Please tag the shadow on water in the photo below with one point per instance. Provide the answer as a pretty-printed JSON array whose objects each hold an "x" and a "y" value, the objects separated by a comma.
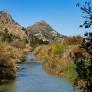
[
  {"x": 32, "y": 78},
  {"x": 8, "y": 87}
]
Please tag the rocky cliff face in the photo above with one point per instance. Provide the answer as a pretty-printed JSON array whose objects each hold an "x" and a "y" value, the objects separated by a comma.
[
  {"x": 8, "y": 24},
  {"x": 43, "y": 31}
]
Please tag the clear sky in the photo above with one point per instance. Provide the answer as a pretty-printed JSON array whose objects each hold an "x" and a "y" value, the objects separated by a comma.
[{"x": 62, "y": 15}]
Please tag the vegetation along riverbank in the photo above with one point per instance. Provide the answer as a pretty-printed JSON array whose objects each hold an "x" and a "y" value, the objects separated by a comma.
[
  {"x": 69, "y": 57},
  {"x": 57, "y": 57}
]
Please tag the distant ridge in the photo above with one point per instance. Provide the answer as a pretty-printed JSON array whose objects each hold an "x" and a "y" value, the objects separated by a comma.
[{"x": 42, "y": 30}]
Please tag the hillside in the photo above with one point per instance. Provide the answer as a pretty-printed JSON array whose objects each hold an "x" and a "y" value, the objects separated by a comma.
[
  {"x": 7, "y": 23},
  {"x": 38, "y": 33},
  {"x": 43, "y": 31}
]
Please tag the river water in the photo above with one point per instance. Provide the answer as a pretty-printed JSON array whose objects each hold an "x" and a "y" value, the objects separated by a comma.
[{"x": 33, "y": 78}]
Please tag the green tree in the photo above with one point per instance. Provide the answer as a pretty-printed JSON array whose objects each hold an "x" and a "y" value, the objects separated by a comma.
[{"x": 84, "y": 62}]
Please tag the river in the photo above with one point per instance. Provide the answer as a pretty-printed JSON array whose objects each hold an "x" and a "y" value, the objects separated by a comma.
[{"x": 33, "y": 78}]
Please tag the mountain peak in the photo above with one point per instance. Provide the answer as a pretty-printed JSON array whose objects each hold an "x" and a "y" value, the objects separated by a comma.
[
  {"x": 40, "y": 26},
  {"x": 5, "y": 16},
  {"x": 43, "y": 31},
  {"x": 43, "y": 22},
  {"x": 7, "y": 22}
]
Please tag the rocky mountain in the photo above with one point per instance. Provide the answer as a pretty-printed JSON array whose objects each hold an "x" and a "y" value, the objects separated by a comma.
[
  {"x": 40, "y": 32},
  {"x": 43, "y": 31},
  {"x": 8, "y": 24}
]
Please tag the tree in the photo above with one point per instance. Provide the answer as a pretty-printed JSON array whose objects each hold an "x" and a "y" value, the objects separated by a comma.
[
  {"x": 87, "y": 10},
  {"x": 83, "y": 59}
]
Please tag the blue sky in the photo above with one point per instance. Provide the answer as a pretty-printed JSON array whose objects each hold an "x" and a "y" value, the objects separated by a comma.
[{"x": 62, "y": 15}]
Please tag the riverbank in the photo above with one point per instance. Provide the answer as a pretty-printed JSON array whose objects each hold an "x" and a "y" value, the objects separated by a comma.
[
  {"x": 58, "y": 64},
  {"x": 9, "y": 56},
  {"x": 33, "y": 78},
  {"x": 57, "y": 57}
]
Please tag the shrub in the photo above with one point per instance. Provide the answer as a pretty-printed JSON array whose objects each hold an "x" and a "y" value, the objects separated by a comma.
[
  {"x": 7, "y": 68},
  {"x": 5, "y": 37},
  {"x": 19, "y": 43},
  {"x": 55, "y": 62},
  {"x": 58, "y": 48},
  {"x": 75, "y": 40}
]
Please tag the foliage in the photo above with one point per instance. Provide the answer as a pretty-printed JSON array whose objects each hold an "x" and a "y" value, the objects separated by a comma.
[
  {"x": 13, "y": 40},
  {"x": 84, "y": 63},
  {"x": 7, "y": 68},
  {"x": 9, "y": 56},
  {"x": 18, "y": 43},
  {"x": 69, "y": 71},
  {"x": 55, "y": 62},
  {"x": 59, "y": 48},
  {"x": 84, "y": 67},
  {"x": 74, "y": 40},
  {"x": 35, "y": 41},
  {"x": 87, "y": 10},
  {"x": 5, "y": 37}
]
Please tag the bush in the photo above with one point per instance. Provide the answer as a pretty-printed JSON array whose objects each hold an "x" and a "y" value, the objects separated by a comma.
[
  {"x": 7, "y": 68},
  {"x": 5, "y": 37},
  {"x": 55, "y": 62},
  {"x": 83, "y": 62},
  {"x": 58, "y": 48},
  {"x": 19, "y": 43},
  {"x": 75, "y": 40}
]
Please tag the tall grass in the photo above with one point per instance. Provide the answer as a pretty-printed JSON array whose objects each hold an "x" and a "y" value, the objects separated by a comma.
[
  {"x": 54, "y": 61},
  {"x": 59, "y": 48},
  {"x": 69, "y": 71},
  {"x": 57, "y": 57},
  {"x": 9, "y": 56},
  {"x": 7, "y": 68}
]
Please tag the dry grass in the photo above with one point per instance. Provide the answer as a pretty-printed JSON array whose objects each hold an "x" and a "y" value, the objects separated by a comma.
[
  {"x": 60, "y": 63},
  {"x": 7, "y": 68},
  {"x": 75, "y": 40},
  {"x": 9, "y": 56},
  {"x": 11, "y": 52},
  {"x": 58, "y": 57}
]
